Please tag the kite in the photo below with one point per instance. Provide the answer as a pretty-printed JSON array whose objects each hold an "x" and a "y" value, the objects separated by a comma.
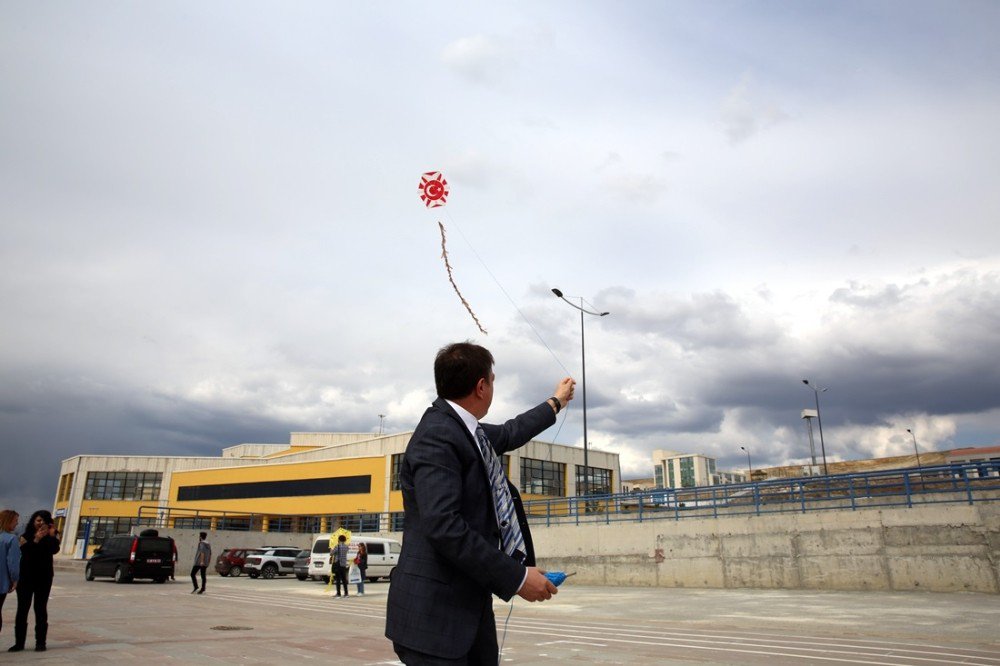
[
  {"x": 433, "y": 189},
  {"x": 434, "y": 193}
]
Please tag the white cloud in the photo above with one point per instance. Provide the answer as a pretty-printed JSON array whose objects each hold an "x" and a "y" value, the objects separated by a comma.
[
  {"x": 745, "y": 112},
  {"x": 480, "y": 58}
]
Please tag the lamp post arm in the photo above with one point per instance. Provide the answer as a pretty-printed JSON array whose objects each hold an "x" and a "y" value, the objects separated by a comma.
[{"x": 579, "y": 307}]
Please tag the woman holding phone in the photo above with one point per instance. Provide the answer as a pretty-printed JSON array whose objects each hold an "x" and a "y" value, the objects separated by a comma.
[{"x": 39, "y": 543}]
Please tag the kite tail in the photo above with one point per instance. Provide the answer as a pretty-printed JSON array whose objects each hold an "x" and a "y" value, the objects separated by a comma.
[{"x": 444, "y": 255}]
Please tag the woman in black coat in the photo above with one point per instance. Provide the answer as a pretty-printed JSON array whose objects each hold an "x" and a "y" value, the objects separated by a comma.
[
  {"x": 361, "y": 562},
  {"x": 39, "y": 543}
]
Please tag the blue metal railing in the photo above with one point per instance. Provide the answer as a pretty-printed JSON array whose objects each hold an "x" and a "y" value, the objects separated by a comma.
[
  {"x": 204, "y": 519},
  {"x": 965, "y": 483}
]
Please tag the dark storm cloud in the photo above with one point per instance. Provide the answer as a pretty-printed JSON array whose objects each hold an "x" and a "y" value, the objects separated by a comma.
[
  {"x": 684, "y": 366},
  {"x": 860, "y": 295},
  {"x": 633, "y": 419},
  {"x": 40, "y": 427},
  {"x": 712, "y": 319}
]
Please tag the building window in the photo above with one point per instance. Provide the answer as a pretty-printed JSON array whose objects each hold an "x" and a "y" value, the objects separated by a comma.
[
  {"x": 687, "y": 472},
  {"x": 102, "y": 529},
  {"x": 396, "y": 519},
  {"x": 670, "y": 468},
  {"x": 599, "y": 482},
  {"x": 123, "y": 486},
  {"x": 280, "y": 524},
  {"x": 397, "y": 464},
  {"x": 658, "y": 471},
  {"x": 241, "y": 524},
  {"x": 193, "y": 523},
  {"x": 309, "y": 524},
  {"x": 340, "y": 485},
  {"x": 65, "y": 487},
  {"x": 541, "y": 477},
  {"x": 355, "y": 522}
]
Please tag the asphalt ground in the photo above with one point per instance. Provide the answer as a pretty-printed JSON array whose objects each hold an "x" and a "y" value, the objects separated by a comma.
[{"x": 284, "y": 620}]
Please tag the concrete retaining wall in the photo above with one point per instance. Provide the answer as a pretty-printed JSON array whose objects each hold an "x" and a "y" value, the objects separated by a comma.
[
  {"x": 946, "y": 548},
  {"x": 950, "y": 548}
]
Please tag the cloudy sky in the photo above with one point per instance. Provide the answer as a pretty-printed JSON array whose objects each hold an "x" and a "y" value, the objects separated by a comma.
[{"x": 211, "y": 230}]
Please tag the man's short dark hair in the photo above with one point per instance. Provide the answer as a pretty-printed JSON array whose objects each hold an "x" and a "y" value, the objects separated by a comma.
[
  {"x": 342, "y": 538},
  {"x": 458, "y": 367},
  {"x": 203, "y": 535}
]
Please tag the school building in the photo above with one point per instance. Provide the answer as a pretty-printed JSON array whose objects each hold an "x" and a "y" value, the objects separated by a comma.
[{"x": 316, "y": 483}]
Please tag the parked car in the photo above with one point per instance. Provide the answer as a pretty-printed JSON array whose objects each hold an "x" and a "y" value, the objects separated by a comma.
[
  {"x": 230, "y": 561},
  {"x": 383, "y": 554},
  {"x": 126, "y": 557},
  {"x": 301, "y": 565},
  {"x": 271, "y": 561}
]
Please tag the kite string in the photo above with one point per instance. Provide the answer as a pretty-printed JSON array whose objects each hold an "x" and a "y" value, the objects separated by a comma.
[
  {"x": 447, "y": 264},
  {"x": 487, "y": 268},
  {"x": 444, "y": 255}
]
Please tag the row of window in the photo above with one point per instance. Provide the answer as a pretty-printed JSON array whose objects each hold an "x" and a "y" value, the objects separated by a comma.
[
  {"x": 102, "y": 528},
  {"x": 541, "y": 477},
  {"x": 123, "y": 486}
]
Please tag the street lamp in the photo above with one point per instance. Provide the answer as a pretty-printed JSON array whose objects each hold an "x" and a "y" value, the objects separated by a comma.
[
  {"x": 819, "y": 419},
  {"x": 749, "y": 466},
  {"x": 915, "y": 449},
  {"x": 583, "y": 358}
]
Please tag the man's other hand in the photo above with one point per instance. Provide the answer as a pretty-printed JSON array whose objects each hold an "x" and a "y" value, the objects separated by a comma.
[{"x": 536, "y": 586}]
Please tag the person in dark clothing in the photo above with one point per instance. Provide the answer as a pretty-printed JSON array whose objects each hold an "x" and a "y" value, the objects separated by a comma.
[
  {"x": 466, "y": 537},
  {"x": 202, "y": 558},
  {"x": 361, "y": 562},
  {"x": 338, "y": 560},
  {"x": 39, "y": 543}
]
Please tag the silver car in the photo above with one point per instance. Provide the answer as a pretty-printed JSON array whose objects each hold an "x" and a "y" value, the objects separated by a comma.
[{"x": 301, "y": 566}]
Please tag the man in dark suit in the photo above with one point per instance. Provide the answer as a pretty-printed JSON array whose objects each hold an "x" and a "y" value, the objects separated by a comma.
[{"x": 465, "y": 535}]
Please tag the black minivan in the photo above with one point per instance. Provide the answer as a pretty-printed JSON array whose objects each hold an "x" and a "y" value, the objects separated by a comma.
[{"x": 125, "y": 557}]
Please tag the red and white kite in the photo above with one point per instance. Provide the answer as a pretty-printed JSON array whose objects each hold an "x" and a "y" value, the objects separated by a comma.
[
  {"x": 434, "y": 192},
  {"x": 433, "y": 189}
]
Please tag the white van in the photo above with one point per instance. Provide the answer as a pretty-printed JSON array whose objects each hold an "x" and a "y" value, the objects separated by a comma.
[{"x": 383, "y": 554}]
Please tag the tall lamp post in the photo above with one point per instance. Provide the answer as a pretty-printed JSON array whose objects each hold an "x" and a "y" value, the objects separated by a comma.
[
  {"x": 749, "y": 466},
  {"x": 819, "y": 419},
  {"x": 583, "y": 359},
  {"x": 915, "y": 449}
]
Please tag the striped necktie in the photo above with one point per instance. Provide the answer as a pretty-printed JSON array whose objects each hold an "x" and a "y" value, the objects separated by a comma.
[{"x": 510, "y": 530}]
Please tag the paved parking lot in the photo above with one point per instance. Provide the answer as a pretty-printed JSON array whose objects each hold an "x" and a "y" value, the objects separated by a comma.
[{"x": 285, "y": 621}]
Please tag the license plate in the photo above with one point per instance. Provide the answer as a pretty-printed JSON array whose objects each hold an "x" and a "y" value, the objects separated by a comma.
[{"x": 152, "y": 561}]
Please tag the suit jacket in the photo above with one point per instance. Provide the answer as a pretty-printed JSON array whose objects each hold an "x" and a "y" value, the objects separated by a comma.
[{"x": 451, "y": 562}]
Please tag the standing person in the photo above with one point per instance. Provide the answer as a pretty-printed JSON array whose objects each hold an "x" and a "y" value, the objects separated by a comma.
[
  {"x": 465, "y": 537},
  {"x": 10, "y": 556},
  {"x": 361, "y": 562},
  {"x": 202, "y": 558},
  {"x": 338, "y": 559},
  {"x": 39, "y": 543}
]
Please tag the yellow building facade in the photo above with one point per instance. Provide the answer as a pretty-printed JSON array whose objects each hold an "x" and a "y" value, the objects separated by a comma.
[{"x": 314, "y": 484}]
